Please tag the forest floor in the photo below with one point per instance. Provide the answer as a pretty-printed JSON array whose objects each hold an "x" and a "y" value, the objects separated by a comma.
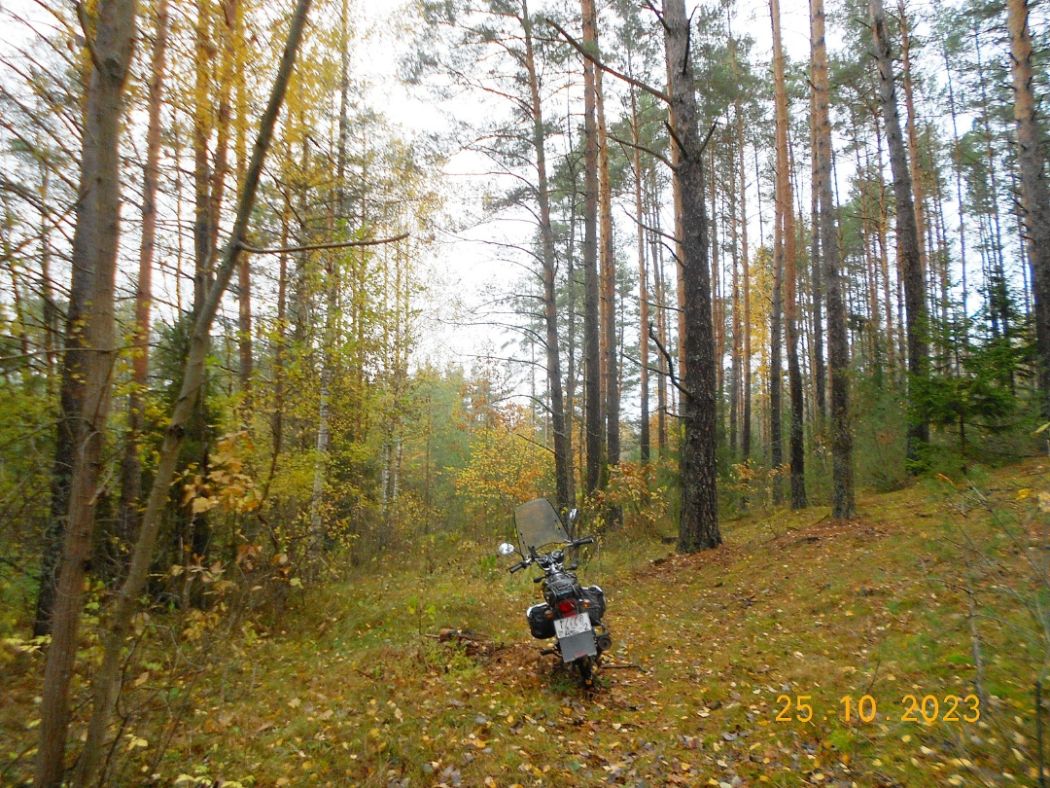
[{"x": 795, "y": 612}]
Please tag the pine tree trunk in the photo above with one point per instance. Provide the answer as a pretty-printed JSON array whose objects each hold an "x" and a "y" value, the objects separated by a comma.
[
  {"x": 998, "y": 296},
  {"x": 745, "y": 427},
  {"x": 698, "y": 524},
  {"x": 843, "y": 506},
  {"x": 570, "y": 361},
  {"x": 776, "y": 444},
  {"x": 202, "y": 130},
  {"x": 788, "y": 246},
  {"x": 610, "y": 360},
  {"x": 88, "y": 366},
  {"x": 960, "y": 204},
  {"x": 131, "y": 466},
  {"x": 717, "y": 306},
  {"x": 591, "y": 350},
  {"x": 817, "y": 283},
  {"x": 562, "y": 437},
  {"x": 737, "y": 326},
  {"x": 917, "y": 322},
  {"x": 1035, "y": 199},
  {"x": 911, "y": 125},
  {"x": 643, "y": 289}
]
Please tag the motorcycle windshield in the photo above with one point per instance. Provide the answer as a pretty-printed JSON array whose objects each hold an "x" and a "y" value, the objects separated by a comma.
[{"x": 538, "y": 525}]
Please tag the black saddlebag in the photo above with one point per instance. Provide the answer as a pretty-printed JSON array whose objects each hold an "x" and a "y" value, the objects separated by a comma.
[
  {"x": 540, "y": 624},
  {"x": 596, "y": 596}
]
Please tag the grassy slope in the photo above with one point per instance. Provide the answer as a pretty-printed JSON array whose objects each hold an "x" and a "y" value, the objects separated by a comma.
[{"x": 352, "y": 689}]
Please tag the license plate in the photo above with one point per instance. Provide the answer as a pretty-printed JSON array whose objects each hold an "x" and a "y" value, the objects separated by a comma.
[{"x": 573, "y": 625}]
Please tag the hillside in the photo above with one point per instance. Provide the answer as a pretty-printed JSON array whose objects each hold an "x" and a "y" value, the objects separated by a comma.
[{"x": 357, "y": 690}]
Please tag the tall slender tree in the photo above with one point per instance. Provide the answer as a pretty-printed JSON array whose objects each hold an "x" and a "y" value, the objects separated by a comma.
[
  {"x": 643, "y": 285},
  {"x": 1035, "y": 199},
  {"x": 562, "y": 435},
  {"x": 591, "y": 345},
  {"x": 843, "y": 506},
  {"x": 787, "y": 252},
  {"x": 131, "y": 467},
  {"x": 87, "y": 373},
  {"x": 698, "y": 523},
  {"x": 607, "y": 277},
  {"x": 909, "y": 259}
]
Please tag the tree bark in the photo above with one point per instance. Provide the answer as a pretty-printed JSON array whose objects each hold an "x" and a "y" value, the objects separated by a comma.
[
  {"x": 788, "y": 246},
  {"x": 776, "y": 440},
  {"x": 591, "y": 352},
  {"x": 917, "y": 322},
  {"x": 107, "y": 681},
  {"x": 131, "y": 466},
  {"x": 562, "y": 436},
  {"x": 90, "y": 354},
  {"x": 698, "y": 523},
  {"x": 817, "y": 280},
  {"x": 202, "y": 129},
  {"x": 607, "y": 262},
  {"x": 960, "y": 205},
  {"x": 843, "y": 506},
  {"x": 735, "y": 349},
  {"x": 911, "y": 126},
  {"x": 643, "y": 288},
  {"x": 745, "y": 426},
  {"x": 244, "y": 270},
  {"x": 1035, "y": 199}
]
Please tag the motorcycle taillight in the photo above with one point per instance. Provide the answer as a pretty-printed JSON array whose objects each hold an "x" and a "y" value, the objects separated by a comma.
[{"x": 567, "y": 607}]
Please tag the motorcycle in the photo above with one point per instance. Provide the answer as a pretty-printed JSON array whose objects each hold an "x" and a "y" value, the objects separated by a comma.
[{"x": 571, "y": 614}]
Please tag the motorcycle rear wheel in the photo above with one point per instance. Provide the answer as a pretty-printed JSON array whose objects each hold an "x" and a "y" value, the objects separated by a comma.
[{"x": 585, "y": 667}]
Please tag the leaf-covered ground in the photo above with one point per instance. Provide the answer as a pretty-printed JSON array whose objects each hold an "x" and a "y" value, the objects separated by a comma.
[{"x": 350, "y": 687}]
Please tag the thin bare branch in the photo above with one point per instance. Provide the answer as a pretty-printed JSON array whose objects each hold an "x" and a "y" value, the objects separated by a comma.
[
  {"x": 643, "y": 149},
  {"x": 317, "y": 247},
  {"x": 609, "y": 69},
  {"x": 670, "y": 362}
]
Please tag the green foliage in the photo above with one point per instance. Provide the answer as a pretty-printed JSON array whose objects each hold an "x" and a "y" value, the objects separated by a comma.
[{"x": 982, "y": 394}]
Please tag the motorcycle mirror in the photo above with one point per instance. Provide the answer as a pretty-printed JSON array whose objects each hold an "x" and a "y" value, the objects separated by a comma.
[
  {"x": 506, "y": 548},
  {"x": 574, "y": 515}
]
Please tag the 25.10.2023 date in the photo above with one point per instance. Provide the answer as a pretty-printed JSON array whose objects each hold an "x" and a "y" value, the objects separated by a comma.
[{"x": 922, "y": 709}]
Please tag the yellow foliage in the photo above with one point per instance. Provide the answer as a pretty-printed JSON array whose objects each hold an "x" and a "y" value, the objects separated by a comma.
[
  {"x": 635, "y": 488},
  {"x": 507, "y": 466},
  {"x": 226, "y": 485}
]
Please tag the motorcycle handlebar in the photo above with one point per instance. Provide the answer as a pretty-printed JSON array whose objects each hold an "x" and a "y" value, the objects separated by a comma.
[
  {"x": 518, "y": 567},
  {"x": 585, "y": 540}
]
